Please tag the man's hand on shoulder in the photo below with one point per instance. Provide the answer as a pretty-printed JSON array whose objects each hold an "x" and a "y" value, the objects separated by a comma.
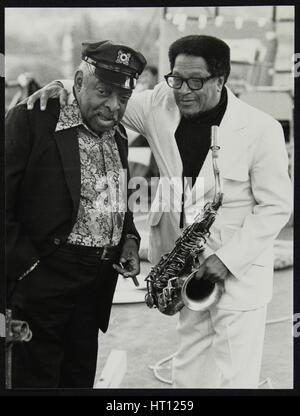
[{"x": 53, "y": 90}]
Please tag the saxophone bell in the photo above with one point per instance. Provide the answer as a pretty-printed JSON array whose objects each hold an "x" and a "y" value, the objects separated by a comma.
[{"x": 200, "y": 294}]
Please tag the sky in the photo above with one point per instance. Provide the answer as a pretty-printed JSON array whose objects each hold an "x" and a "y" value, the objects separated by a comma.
[{"x": 35, "y": 20}]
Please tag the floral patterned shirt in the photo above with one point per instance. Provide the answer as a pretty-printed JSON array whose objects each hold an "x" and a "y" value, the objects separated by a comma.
[{"x": 102, "y": 207}]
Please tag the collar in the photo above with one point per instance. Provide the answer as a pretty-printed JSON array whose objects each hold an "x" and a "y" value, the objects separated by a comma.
[
  {"x": 235, "y": 116},
  {"x": 215, "y": 114},
  {"x": 209, "y": 117},
  {"x": 70, "y": 116}
]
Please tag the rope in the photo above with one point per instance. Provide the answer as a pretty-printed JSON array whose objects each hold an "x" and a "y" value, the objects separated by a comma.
[
  {"x": 268, "y": 382},
  {"x": 156, "y": 367}
]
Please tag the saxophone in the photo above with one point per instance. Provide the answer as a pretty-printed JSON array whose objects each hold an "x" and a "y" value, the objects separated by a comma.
[{"x": 171, "y": 283}]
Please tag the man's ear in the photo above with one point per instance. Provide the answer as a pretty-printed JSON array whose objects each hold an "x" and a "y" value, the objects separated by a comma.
[
  {"x": 221, "y": 82},
  {"x": 78, "y": 80}
]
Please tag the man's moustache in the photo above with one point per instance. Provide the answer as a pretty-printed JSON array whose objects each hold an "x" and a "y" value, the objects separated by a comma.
[{"x": 109, "y": 116}]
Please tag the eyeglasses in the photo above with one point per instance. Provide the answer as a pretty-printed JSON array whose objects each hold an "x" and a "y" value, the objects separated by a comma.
[{"x": 193, "y": 83}]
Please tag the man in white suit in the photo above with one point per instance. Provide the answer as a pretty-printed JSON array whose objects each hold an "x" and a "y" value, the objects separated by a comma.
[{"x": 221, "y": 347}]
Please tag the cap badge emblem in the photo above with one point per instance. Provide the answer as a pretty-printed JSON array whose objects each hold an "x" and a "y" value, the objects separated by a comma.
[{"x": 123, "y": 58}]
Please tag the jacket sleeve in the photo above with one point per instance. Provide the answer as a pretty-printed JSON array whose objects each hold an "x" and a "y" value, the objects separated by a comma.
[
  {"x": 135, "y": 117},
  {"x": 21, "y": 255},
  {"x": 129, "y": 227},
  {"x": 272, "y": 190}
]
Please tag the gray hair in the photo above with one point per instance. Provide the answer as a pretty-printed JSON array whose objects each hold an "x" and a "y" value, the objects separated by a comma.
[{"x": 87, "y": 69}]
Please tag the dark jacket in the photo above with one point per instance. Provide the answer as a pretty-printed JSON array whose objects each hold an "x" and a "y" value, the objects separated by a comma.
[{"x": 43, "y": 186}]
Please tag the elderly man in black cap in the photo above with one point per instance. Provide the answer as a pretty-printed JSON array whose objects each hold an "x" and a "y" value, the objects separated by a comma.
[{"x": 68, "y": 225}]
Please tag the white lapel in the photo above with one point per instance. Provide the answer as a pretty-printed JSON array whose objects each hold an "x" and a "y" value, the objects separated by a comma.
[
  {"x": 165, "y": 147},
  {"x": 231, "y": 148}
]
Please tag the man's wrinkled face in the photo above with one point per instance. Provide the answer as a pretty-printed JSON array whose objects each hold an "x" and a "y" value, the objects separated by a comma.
[
  {"x": 192, "y": 103},
  {"x": 102, "y": 104}
]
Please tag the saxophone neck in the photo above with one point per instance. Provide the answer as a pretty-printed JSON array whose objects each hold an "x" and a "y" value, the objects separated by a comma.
[
  {"x": 215, "y": 147},
  {"x": 217, "y": 202}
]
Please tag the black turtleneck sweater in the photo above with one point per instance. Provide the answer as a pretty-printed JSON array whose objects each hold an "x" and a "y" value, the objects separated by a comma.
[{"x": 193, "y": 137}]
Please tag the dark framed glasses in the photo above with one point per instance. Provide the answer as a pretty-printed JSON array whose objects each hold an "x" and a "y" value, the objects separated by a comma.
[{"x": 193, "y": 83}]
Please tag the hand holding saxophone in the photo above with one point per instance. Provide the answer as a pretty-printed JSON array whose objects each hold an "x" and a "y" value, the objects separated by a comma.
[{"x": 212, "y": 269}]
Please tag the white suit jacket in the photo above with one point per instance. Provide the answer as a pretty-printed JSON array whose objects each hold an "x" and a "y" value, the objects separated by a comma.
[{"x": 257, "y": 190}]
